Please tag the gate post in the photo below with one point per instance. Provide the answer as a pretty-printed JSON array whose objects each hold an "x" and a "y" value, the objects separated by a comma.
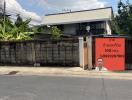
[
  {"x": 81, "y": 52},
  {"x": 34, "y": 55},
  {"x": 89, "y": 42}
]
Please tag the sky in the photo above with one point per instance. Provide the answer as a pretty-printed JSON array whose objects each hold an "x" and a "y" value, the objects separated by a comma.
[{"x": 36, "y": 9}]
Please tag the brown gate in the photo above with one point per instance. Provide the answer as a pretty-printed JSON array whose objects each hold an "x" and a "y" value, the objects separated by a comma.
[{"x": 85, "y": 54}]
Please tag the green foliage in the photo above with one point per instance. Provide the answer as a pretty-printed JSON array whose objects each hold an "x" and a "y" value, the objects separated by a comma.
[
  {"x": 56, "y": 32},
  {"x": 17, "y": 31},
  {"x": 41, "y": 28},
  {"x": 23, "y": 24},
  {"x": 1, "y": 19},
  {"x": 4, "y": 35},
  {"x": 122, "y": 22},
  {"x": 18, "y": 21},
  {"x": 19, "y": 34}
]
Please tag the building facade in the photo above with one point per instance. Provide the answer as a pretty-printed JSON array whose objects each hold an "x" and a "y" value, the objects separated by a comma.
[{"x": 75, "y": 23}]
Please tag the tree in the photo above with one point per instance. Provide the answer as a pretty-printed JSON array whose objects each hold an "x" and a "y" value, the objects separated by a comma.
[
  {"x": 21, "y": 29},
  {"x": 56, "y": 32},
  {"x": 122, "y": 22},
  {"x": 15, "y": 31},
  {"x": 19, "y": 22},
  {"x": 5, "y": 34}
]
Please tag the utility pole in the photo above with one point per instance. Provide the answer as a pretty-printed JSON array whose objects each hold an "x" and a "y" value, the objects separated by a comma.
[
  {"x": 4, "y": 15},
  {"x": 127, "y": 2}
]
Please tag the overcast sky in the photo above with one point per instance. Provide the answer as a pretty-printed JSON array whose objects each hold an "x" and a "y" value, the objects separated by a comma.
[{"x": 35, "y": 9}]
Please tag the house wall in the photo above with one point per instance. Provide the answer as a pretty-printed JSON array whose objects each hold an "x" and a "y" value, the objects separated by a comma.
[
  {"x": 70, "y": 29},
  {"x": 99, "y": 27}
]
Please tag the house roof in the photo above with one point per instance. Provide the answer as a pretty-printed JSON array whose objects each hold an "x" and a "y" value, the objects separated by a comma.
[{"x": 99, "y": 14}]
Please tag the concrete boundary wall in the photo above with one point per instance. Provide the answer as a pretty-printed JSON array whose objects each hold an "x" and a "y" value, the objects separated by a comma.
[{"x": 40, "y": 53}]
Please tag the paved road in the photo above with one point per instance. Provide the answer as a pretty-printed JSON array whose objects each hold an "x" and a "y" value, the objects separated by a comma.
[{"x": 63, "y": 88}]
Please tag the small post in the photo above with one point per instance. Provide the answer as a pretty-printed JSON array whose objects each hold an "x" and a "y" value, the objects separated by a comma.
[
  {"x": 34, "y": 55},
  {"x": 81, "y": 52},
  {"x": 108, "y": 28},
  {"x": 89, "y": 42}
]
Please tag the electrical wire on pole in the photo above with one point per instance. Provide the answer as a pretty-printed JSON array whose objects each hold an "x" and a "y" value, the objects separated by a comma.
[
  {"x": 4, "y": 15},
  {"x": 128, "y": 2}
]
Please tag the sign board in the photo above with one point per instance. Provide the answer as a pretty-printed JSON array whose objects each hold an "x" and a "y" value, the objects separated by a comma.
[{"x": 112, "y": 52}]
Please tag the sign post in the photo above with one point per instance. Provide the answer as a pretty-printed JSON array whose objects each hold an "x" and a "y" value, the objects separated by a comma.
[{"x": 112, "y": 51}]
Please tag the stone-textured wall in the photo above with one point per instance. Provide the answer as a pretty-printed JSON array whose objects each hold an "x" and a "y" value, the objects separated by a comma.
[{"x": 55, "y": 53}]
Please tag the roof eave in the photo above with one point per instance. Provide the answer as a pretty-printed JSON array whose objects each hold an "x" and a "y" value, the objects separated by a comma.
[{"x": 75, "y": 22}]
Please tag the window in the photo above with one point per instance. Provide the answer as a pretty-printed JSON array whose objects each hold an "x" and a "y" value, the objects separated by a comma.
[
  {"x": 61, "y": 27},
  {"x": 97, "y": 27}
]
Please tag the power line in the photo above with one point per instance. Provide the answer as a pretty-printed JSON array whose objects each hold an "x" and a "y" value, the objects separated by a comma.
[
  {"x": 15, "y": 14},
  {"x": 3, "y": 9},
  {"x": 4, "y": 14}
]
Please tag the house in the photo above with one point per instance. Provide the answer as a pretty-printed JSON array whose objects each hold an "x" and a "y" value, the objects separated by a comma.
[{"x": 75, "y": 23}]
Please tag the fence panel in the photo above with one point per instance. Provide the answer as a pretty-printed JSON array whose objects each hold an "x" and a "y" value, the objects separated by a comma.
[{"x": 45, "y": 52}]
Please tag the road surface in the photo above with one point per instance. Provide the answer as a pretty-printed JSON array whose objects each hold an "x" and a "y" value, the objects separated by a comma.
[{"x": 63, "y": 88}]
